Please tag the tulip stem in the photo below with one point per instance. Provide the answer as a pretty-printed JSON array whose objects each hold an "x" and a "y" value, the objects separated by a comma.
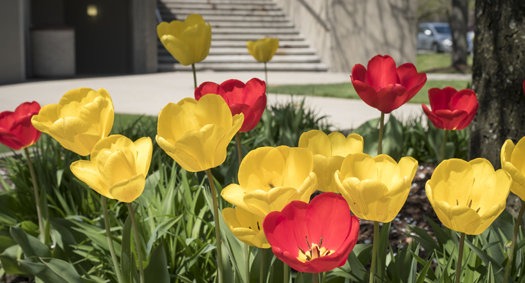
[
  {"x": 315, "y": 277},
  {"x": 194, "y": 76},
  {"x": 460, "y": 257},
  {"x": 247, "y": 261},
  {"x": 217, "y": 225},
  {"x": 374, "y": 250},
  {"x": 444, "y": 148},
  {"x": 37, "y": 197},
  {"x": 381, "y": 130},
  {"x": 266, "y": 76},
  {"x": 137, "y": 241},
  {"x": 514, "y": 239},
  {"x": 239, "y": 148},
  {"x": 110, "y": 240},
  {"x": 323, "y": 279},
  {"x": 286, "y": 273},
  {"x": 261, "y": 272}
]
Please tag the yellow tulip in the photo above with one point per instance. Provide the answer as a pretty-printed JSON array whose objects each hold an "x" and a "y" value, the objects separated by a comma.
[
  {"x": 468, "y": 196},
  {"x": 270, "y": 178},
  {"x": 246, "y": 226},
  {"x": 263, "y": 49},
  {"x": 118, "y": 167},
  {"x": 81, "y": 118},
  {"x": 329, "y": 152},
  {"x": 375, "y": 188},
  {"x": 189, "y": 41},
  {"x": 513, "y": 161},
  {"x": 195, "y": 133}
]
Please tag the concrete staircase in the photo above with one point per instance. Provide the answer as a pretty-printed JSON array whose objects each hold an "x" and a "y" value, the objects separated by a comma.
[{"x": 233, "y": 23}]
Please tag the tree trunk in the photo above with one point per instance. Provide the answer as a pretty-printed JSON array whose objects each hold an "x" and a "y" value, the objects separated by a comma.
[
  {"x": 458, "y": 26},
  {"x": 497, "y": 77}
]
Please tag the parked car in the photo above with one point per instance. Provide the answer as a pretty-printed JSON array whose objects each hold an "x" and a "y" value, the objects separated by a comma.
[{"x": 438, "y": 37}]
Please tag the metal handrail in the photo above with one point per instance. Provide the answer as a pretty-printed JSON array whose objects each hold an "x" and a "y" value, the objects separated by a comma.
[{"x": 325, "y": 25}]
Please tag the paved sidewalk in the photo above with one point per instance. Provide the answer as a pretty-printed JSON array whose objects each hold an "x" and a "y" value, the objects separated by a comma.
[{"x": 149, "y": 93}]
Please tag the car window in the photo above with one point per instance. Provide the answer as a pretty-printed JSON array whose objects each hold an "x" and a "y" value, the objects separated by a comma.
[{"x": 443, "y": 29}]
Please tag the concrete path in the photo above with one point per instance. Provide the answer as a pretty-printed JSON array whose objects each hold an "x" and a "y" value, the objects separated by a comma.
[{"x": 149, "y": 93}]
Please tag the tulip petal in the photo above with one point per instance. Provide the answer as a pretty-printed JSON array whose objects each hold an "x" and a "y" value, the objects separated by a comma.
[
  {"x": 119, "y": 166},
  {"x": 178, "y": 49},
  {"x": 246, "y": 227},
  {"x": 212, "y": 109},
  {"x": 440, "y": 98},
  {"x": 128, "y": 190},
  {"x": 360, "y": 166},
  {"x": 261, "y": 203},
  {"x": 74, "y": 134},
  {"x": 316, "y": 142},
  {"x": 262, "y": 169},
  {"x": 299, "y": 164},
  {"x": 87, "y": 172},
  {"x": 324, "y": 169},
  {"x": 234, "y": 194},
  {"x": 366, "y": 194},
  {"x": 342, "y": 146},
  {"x": 452, "y": 181},
  {"x": 205, "y": 88},
  {"x": 391, "y": 97},
  {"x": 332, "y": 230},
  {"x": 177, "y": 119},
  {"x": 518, "y": 156},
  {"x": 411, "y": 79},
  {"x": 386, "y": 167},
  {"x": 381, "y": 72},
  {"x": 389, "y": 205},
  {"x": 201, "y": 145},
  {"x": 432, "y": 117},
  {"x": 45, "y": 118},
  {"x": 144, "y": 151}
]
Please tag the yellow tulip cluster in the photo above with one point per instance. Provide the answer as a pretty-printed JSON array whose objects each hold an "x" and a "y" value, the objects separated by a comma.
[{"x": 81, "y": 122}]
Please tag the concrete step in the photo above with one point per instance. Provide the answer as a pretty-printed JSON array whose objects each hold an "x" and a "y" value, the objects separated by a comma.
[
  {"x": 222, "y": 6},
  {"x": 167, "y": 17},
  {"x": 230, "y": 12},
  {"x": 265, "y": 31},
  {"x": 232, "y": 2},
  {"x": 239, "y": 44},
  {"x": 244, "y": 51},
  {"x": 298, "y": 67},
  {"x": 255, "y": 36},
  {"x": 241, "y": 25},
  {"x": 249, "y": 59}
]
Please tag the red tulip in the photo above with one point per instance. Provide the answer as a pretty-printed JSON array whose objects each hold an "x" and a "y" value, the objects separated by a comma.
[
  {"x": 16, "y": 130},
  {"x": 249, "y": 99},
  {"x": 451, "y": 109},
  {"x": 385, "y": 87},
  {"x": 315, "y": 237}
]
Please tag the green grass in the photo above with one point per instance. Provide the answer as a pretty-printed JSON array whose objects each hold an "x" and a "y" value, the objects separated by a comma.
[
  {"x": 346, "y": 90},
  {"x": 432, "y": 61},
  {"x": 121, "y": 121}
]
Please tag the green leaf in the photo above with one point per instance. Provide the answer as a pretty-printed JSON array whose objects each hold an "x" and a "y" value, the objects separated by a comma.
[
  {"x": 157, "y": 270},
  {"x": 6, "y": 242},
  {"x": 54, "y": 271},
  {"x": 127, "y": 260},
  {"x": 9, "y": 259},
  {"x": 31, "y": 246}
]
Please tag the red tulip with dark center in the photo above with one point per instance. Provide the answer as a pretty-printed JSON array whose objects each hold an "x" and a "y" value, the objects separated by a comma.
[
  {"x": 451, "y": 109},
  {"x": 16, "y": 130},
  {"x": 385, "y": 87},
  {"x": 249, "y": 98},
  {"x": 314, "y": 237}
]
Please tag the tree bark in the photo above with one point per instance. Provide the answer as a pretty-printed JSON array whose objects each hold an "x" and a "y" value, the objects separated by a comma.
[
  {"x": 458, "y": 26},
  {"x": 497, "y": 77}
]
